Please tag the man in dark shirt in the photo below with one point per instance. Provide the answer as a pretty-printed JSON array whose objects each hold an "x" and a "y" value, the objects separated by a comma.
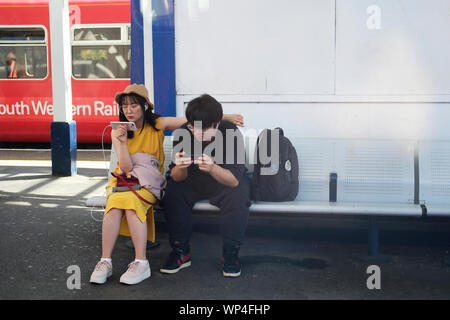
[{"x": 209, "y": 164}]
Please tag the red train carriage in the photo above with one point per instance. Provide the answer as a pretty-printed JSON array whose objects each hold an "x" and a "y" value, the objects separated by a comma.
[{"x": 100, "y": 40}]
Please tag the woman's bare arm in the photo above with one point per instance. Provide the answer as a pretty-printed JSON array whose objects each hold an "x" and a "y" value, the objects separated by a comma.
[{"x": 173, "y": 123}]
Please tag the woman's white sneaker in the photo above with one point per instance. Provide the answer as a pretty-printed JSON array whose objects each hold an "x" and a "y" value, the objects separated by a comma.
[
  {"x": 137, "y": 272},
  {"x": 102, "y": 271}
]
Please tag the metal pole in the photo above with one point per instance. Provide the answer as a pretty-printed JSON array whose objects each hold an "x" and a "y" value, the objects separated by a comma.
[
  {"x": 63, "y": 128},
  {"x": 373, "y": 236}
]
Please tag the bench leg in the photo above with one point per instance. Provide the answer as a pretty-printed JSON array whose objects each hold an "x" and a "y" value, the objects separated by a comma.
[
  {"x": 373, "y": 236},
  {"x": 374, "y": 257},
  {"x": 447, "y": 261}
]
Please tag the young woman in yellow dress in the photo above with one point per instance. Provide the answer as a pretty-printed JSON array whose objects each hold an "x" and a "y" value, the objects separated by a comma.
[{"x": 125, "y": 213}]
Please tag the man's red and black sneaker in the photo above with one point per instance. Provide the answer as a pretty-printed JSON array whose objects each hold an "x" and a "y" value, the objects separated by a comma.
[
  {"x": 230, "y": 260},
  {"x": 179, "y": 258}
]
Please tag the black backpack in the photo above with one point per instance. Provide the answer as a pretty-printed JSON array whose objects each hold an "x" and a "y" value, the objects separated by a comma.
[{"x": 283, "y": 185}]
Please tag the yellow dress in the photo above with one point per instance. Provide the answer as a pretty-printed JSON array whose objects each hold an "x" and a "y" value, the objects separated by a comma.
[{"x": 148, "y": 141}]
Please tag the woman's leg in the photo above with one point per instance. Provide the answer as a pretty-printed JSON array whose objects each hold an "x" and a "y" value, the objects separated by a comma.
[
  {"x": 110, "y": 231},
  {"x": 138, "y": 232}
]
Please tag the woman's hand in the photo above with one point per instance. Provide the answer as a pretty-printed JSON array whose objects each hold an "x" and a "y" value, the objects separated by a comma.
[
  {"x": 173, "y": 123},
  {"x": 235, "y": 118},
  {"x": 119, "y": 140},
  {"x": 119, "y": 134}
]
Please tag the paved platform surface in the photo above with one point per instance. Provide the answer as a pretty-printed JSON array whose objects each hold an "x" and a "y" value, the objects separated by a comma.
[{"x": 45, "y": 228}]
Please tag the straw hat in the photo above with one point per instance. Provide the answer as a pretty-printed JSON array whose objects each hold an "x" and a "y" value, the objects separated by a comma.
[{"x": 138, "y": 89}]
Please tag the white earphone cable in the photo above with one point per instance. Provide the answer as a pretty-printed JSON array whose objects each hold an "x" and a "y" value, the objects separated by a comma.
[{"x": 107, "y": 174}]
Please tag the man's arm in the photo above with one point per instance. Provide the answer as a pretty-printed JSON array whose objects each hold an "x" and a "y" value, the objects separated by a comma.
[
  {"x": 232, "y": 170},
  {"x": 224, "y": 176},
  {"x": 221, "y": 175},
  {"x": 180, "y": 172}
]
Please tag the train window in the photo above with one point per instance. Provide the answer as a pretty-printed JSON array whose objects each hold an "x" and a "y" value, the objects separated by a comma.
[
  {"x": 23, "y": 53},
  {"x": 96, "y": 34},
  {"x": 101, "y": 51},
  {"x": 29, "y": 34}
]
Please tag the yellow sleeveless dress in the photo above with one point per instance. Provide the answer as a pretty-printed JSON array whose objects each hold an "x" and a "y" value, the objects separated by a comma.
[{"x": 148, "y": 141}]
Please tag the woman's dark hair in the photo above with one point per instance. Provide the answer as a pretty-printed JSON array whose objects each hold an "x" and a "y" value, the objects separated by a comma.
[
  {"x": 149, "y": 116},
  {"x": 205, "y": 109}
]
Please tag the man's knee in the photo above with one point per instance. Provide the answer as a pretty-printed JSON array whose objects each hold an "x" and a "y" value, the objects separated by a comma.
[
  {"x": 174, "y": 191},
  {"x": 238, "y": 197},
  {"x": 172, "y": 188},
  {"x": 242, "y": 189}
]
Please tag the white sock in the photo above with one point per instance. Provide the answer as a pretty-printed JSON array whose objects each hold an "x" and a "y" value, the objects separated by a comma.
[
  {"x": 141, "y": 261},
  {"x": 106, "y": 259}
]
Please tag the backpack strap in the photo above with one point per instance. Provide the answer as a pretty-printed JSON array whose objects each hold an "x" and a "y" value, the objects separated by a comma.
[
  {"x": 280, "y": 130},
  {"x": 118, "y": 176}
]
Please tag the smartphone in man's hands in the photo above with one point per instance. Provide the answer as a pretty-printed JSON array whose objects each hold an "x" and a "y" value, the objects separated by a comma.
[{"x": 196, "y": 156}]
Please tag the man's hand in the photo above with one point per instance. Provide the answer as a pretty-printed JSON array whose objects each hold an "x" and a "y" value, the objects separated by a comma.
[
  {"x": 205, "y": 163},
  {"x": 182, "y": 162},
  {"x": 180, "y": 172}
]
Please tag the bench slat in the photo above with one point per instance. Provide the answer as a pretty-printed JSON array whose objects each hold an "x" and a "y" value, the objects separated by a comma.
[{"x": 318, "y": 207}]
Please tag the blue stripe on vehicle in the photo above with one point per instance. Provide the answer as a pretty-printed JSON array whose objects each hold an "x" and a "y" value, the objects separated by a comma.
[
  {"x": 163, "y": 36},
  {"x": 137, "y": 44},
  {"x": 164, "y": 57}
]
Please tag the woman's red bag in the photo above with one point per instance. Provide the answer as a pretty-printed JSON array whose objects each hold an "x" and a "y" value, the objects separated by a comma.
[{"x": 124, "y": 181}]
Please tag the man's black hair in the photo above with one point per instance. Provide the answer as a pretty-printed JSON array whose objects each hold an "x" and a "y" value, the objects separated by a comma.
[{"x": 205, "y": 109}]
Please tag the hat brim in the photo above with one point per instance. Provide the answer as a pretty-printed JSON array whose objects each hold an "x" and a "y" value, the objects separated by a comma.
[{"x": 119, "y": 94}]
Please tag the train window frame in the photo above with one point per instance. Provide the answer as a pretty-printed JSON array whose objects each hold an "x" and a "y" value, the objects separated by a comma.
[
  {"x": 125, "y": 39},
  {"x": 29, "y": 43}
]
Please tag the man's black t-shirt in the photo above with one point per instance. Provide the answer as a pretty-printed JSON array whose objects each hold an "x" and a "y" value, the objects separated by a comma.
[{"x": 232, "y": 160}]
